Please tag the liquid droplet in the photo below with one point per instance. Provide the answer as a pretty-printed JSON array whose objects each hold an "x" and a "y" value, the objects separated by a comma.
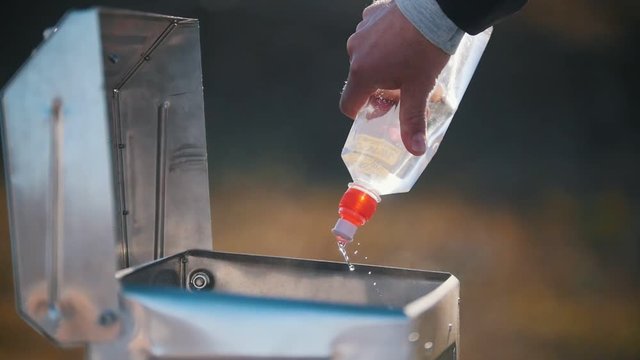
[
  {"x": 374, "y": 283},
  {"x": 428, "y": 346},
  {"x": 414, "y": 336},
  {"x": 342, "y": 247},
  {"x": 369, "y": 272}
]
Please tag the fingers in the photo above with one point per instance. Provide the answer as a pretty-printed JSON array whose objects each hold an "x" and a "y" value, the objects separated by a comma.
[
  {"x": 413, "y": 103},
  {"x": 382, "y": 102},
  {"x": 354, "y": 95},
  {"x": 350, "y": 46},
  {"x": 368, "y": 10}
]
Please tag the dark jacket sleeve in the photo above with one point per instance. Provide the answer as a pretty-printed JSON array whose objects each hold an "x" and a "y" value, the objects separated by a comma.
[{"x": 473, "y": 16}]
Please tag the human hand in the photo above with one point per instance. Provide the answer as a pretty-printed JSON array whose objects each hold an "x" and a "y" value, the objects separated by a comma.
[{"x": 387, "y": 52}]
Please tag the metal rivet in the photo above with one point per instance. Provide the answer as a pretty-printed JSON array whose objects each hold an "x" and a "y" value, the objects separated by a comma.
[
  {"x": 114, "y": 58},
  {"x": 201, "y": 280},
  {"x": 147, "y": 58}
]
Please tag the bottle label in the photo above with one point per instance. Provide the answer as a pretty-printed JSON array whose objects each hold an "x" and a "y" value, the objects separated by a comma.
[
  {"x": 366, "y": 164},
  {"x": 377, "y": 148}
]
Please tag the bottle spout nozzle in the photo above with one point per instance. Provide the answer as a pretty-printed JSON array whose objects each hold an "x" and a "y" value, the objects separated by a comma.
[
  {"x": 342, "y": 241},
  {"x": 344, "y": 231}
]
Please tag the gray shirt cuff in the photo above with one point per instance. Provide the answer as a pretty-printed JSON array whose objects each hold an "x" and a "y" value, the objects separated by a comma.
[{"x": 432, "y": 22}]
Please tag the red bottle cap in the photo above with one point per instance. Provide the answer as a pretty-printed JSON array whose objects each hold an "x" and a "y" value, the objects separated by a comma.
[{"x": 356, "y": 208}]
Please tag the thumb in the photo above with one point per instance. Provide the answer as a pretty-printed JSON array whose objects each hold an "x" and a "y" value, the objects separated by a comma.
[{"x": 413, "y": 102}]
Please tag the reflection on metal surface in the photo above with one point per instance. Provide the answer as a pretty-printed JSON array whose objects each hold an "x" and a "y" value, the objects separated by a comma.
[
  {"x": 56, "y": 212},
  {"x": 157, "y": 111},
  {"x": 161, "y": 166},
  {"x": 146, "y": 55},
  {"x": 119, "y": 160},
  {"x": 299, "y": 279}
]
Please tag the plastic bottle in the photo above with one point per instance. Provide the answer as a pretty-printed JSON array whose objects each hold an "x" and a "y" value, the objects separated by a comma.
[{"x": 374, "y": 153}]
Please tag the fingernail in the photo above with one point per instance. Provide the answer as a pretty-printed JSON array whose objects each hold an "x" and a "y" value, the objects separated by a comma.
[{"x": 419, "y": 143}]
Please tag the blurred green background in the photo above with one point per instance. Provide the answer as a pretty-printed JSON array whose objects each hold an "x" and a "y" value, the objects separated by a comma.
[{"x": 533, "y": 200}]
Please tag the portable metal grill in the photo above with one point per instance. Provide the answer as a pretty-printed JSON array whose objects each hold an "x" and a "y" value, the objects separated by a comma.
[{"x": 106, "y": 173}]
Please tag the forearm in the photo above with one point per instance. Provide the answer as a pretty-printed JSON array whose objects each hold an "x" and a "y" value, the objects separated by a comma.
[
  {"x": 443, "y": 22},
  {"x": 432, "y": 22}
]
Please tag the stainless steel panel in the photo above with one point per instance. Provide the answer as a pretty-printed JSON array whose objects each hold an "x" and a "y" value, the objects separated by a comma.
[
  {"x": 436, "y": 319},
  {"x": 59, "y": 183},
  {"x": 127, "y": 168},
  {"x": 291, "y": 278},
  {"x": 154, "y": 73}
]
